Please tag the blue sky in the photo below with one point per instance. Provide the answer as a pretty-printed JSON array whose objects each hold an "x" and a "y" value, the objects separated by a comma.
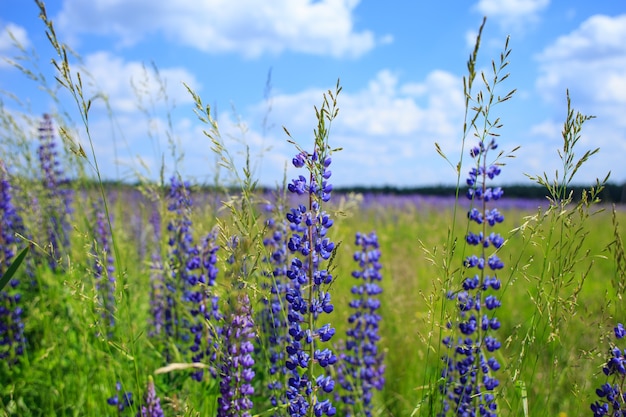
[{"x": 400, "y": 63}]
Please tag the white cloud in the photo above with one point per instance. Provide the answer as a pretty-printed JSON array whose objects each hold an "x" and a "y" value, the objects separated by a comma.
[
  {"x": 132, "y": 135},
  {"x": 546, "y": 130},
  {"x": 470, "y": 38},
  {"x": 599, "y": 36},
  {"x": 591, "y": 62},
  {"x": 540, "y": 156},
  {"x": 387, "y": 129},
  {"x": 11, "y": 33},
  {"x": 385, "y": 108},
  {"x": 248, "y": 27},
  {"x": 512, "y": 14},
  {"x": 127, "y": 82}
]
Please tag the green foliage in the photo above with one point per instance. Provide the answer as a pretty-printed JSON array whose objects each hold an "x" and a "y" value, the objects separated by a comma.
[
  {"x": 557, "y": 187},
  {"x": 563, "y": 287},
  {"x": 555, "y": 263},
  {"x": 12, "y": 269}
]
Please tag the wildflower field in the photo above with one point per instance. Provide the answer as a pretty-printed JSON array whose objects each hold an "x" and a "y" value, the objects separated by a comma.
[{"x": 172, "y": 298}]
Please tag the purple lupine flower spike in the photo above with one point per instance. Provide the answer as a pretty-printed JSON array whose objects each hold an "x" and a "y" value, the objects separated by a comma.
[
  {"x": 12, "y": 340},
  {"x": 236, "y": 368},
  {"x": 273, "y": 317},
  {"x": 361, "y": 364},
  {"x": 307, "y": 295},
  {"x": 204, "y": 303},
  {"x": 152, "y": 403},
  {"x": 157, "y": 284},
  {"x": 58, "y": 198},
  {"x": 612, "y": 399},
  {"x": 470, "y": 366},
  {"x": 189, "y": 283},
  {"x": 180, "y": 245}
]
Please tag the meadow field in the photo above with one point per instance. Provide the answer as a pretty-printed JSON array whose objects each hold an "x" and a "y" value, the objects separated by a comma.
[
  {"x": 169, "y": 298},
  {"x": 553, "y": 327}
]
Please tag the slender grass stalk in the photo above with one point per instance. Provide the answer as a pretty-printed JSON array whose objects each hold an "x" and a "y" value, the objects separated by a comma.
[
  {"x": 309, "y": 297},
  {"x": 536, "y": 365},
  {"x": 478, "y": 119},
  {"x": 72, "y": 82},
  {"x": 561, "y": 232}
]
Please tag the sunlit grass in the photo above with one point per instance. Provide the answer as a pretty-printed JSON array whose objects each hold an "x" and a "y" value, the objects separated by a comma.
[{"x": 562, "y": 282}]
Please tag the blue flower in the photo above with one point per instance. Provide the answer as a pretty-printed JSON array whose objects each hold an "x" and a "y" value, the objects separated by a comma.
[
  {"x": 236, "y": 367},
  {"x": 203, "y": 302},
  {"x": 361, "y": 363},
  {"x": 189, "y": 300},
  {"x": 152, "y": 403},
  {"x": 58, "y": 197},
  {"x": 310, "y": 248},
  {"x": 612, "y": 399},
  {"x": 157, "y": 285},
  {"x": 180, "y": 243},
  {"x": 470, "y": 364},
  {"x": 12, "y": 340},
  {"x": 121, "y": 400}
]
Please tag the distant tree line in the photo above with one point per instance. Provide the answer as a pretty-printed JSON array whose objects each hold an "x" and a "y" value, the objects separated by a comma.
[{"x": 612, "y": 193}]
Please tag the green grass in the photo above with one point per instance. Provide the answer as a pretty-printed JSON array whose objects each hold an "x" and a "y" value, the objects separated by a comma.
[
  {"x": 562, "y": 283},
  {"x": 69, "y": 370}
]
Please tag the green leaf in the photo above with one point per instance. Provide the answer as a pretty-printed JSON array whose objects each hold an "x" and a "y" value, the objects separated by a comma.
[{"x": 13, "y": 268}]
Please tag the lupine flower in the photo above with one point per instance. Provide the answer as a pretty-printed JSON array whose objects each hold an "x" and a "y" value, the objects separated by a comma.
[
  {"x": 152, "y": 403},
  {"x": 361, "y": 364},
  {"x": 12, "y": 339},
  {"x": 612, "y": 400},
  {"x": 273, "y": 318},
  {"x": 181, "y": 248},
  {"x": 203, "y": 304},
  {"x": 58, "y": 196},
  {"x": 308, "y": 296},
  {"x": 121, "y": 400},
  {"x": 469, "y": 369},
  {"x": 157, "y": 285},
  {"x": 104, "y": 269},
  {"x": 180, "y": 242},
  {"x": 192, "y": 272},
  {"x": 236, "y": 367}
]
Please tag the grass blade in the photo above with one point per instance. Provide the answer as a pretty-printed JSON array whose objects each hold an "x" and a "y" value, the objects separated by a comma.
[{"x": 13, "y": 268}]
